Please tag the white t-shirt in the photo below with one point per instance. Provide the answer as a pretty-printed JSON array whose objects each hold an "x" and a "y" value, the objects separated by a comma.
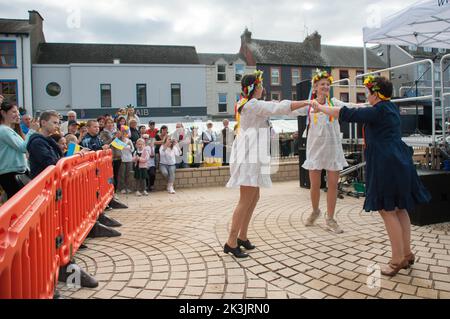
[
  {"x": 151, "y": 161},
  {"x": 168, "y": 156}
]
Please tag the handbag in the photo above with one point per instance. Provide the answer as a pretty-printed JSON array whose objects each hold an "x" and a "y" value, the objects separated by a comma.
[{"x": 22, "y": 179}]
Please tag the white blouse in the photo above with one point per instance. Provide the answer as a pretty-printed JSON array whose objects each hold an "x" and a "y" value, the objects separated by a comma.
[
  {"x": 250, "y": 155},
  {"x": 324, "y": 143}
]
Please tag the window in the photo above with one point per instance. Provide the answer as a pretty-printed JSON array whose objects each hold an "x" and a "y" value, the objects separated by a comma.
[
  {"x": 343, "y": 74},
  {"x": 437, "y": 74},
  {"x": 359, "y": 81},
  {"x": 239, "y": 72},
  {"x": 427, "y": 49},
  {"x": 9, "y": 90},
  {"x": 105, "y": 95},
  {"x": 421, "y": 70},
  {"x": 141, "y": 93},
  {"x": 361, "y": 98},
  {"x": 442, "y": 50},
  {"x": 345, "y": 97},
  {"x": 7, "y": 54},
  {"x": 295, "y": 76},
  {"x": 176, "y": 94},
  {"x": 222, "y": 103},
  {"x": 221, "y": 72},
  {"x": 275, "y": 96},
  {"x": 412, "y": 48},
  {"x": 53, "y": 89},
  {"x": 294, "y": 96},
  {"x": 275, "y": 78}
]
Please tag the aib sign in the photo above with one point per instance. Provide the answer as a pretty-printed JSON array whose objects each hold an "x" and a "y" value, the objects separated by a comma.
[
  {"x": 142, "y": 112},
  {"x": 442, "y": 2}
]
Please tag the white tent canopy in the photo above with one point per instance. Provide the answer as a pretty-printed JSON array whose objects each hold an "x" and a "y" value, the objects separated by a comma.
[{"x": 424, "y": 24}]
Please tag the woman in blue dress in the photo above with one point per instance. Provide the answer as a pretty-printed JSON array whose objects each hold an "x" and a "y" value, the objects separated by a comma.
[{"x": 393, "y": 186}]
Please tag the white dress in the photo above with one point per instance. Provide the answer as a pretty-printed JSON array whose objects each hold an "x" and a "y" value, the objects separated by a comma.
[
  {"x": 324, "y": 143},
  {"x": 250, "y": 154}
]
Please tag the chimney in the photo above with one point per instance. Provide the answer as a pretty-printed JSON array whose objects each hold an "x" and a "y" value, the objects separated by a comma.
[
  {"x": 246, "y": 37},
  {"x": 35, "y": 17},
  {"x": 314, "y": 41}
]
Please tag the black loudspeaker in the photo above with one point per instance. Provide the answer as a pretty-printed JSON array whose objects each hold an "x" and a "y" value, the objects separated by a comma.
[
  {"x": 438, "y": 210},
  {"x": 303, "y": 89}
]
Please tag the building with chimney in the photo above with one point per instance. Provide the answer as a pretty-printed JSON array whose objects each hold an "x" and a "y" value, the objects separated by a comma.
[
  {"x": 19, "y": 43},
  {"x": 223, "y": 82},
  {"x": 287, "y": 63}
]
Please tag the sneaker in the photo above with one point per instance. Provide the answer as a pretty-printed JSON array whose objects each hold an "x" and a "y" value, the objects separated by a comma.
[
  {"x": 172, "y": 191},
  {"x": 312, "y": 218},
  {"x": 138, "y": 194},
  {"x": 129, "y": 191},
  {"x": 123, "y": 191},
  {"x": 333, "y": 226},
  {"x": 145, "y": 193}
]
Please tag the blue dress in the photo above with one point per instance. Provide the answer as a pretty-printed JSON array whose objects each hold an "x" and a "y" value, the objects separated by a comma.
[{"x": 391, "y": 178}]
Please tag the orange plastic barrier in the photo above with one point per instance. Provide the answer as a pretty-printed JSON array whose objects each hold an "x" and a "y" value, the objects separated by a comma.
[
  {"x": 105, "y": 178},
  {"x": 29, "y": 235},
  {"x": 78, "y": 205},
  {"x": 44, "y": 224}
]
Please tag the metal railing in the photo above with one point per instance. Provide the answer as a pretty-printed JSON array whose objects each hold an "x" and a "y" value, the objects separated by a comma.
[
  {"x": 421, "y": 98},
  {"x": 443, "y": 95},
  {"x": 353, "y": 127},
  {"x": 410, "y": 88}
]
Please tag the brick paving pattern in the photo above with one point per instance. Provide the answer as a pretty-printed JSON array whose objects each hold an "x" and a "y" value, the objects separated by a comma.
[{"x": 171, "y": 247}]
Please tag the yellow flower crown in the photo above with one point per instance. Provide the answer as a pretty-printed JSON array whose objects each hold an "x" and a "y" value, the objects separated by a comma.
[
  {"x": 322, "y": 74},
  {"x": 373, "y": 86}
]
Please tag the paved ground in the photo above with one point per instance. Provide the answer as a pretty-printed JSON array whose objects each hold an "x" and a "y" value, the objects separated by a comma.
[{"x": 172, "y": 248}]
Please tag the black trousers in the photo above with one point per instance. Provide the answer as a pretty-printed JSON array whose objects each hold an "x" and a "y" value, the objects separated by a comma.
[
  {"x": 9, "y": 184},
  {"x": 151, "y": 177},
  {"x": 116, "y": 167}
]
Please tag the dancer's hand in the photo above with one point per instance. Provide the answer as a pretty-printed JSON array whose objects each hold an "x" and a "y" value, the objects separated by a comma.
[{"x": 316, "y": 106}]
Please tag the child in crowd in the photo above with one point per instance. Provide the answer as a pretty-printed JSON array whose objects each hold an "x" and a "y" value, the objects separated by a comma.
[
  {"x": 151, "y": 162},
  {"x": 127, "y": 164},
  {"x": 141, "y": 159}
]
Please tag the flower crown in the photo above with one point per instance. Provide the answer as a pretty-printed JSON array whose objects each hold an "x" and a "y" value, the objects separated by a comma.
[
  {"x": 371, "y": 84},
  {"x": 373, "y": 87},
  {"x": 258, "y": 83},
  {"x": 319, "y": 75}
]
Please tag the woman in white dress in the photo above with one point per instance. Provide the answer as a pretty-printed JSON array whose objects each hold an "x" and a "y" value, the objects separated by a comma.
[
  {"x": 250, "y": 156},
  {"x": 324, "y": 151}
]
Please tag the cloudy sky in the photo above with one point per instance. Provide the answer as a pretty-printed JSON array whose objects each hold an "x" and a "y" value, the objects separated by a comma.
[{"x": 209, "y": 25}]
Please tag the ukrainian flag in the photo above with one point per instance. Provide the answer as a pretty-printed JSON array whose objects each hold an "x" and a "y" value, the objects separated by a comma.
[
  {"x": 73, "y": 149},
  {"x": 117, "y": 143}
]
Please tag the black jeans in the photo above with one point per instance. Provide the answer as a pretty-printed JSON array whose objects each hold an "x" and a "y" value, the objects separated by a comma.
[
  {"x": 116, "y": 168},
  {"x": 151, "y": 177},
  {"x": 9, "y": 184}
]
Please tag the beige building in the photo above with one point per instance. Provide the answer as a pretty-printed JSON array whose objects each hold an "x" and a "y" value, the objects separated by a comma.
[
  {"x": 353, "y": 93},
  {"x": 223, "y": 82},
  {"x": 347, "y": 63}
]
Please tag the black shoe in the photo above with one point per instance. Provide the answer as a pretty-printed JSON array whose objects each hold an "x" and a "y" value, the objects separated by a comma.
[
  {"x": 83, "y": 246},
  {"x": 246, "y": 244},
  {"x": 237, "y": 252}
]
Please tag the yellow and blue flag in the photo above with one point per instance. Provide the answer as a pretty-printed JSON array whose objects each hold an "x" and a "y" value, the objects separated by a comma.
[
  {"x": 73, "y": 149},
  {"x": 117, "y": 143}
]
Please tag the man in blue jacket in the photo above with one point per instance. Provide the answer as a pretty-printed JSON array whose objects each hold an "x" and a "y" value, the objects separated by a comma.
[
  {"x": 92, "y": 139},
  {"x": 43, "y": 150}
]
